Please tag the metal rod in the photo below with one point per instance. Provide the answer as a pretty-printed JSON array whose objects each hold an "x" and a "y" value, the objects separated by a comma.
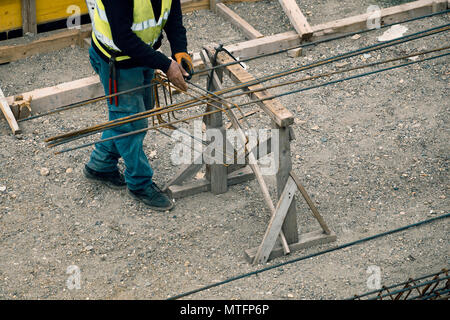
[
  {"x": 316, "y": 86},
  {"x": 85, "y": 102}
]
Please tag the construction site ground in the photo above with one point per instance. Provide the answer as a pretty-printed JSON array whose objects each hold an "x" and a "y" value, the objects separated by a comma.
[{"x": 372, "y": 153}]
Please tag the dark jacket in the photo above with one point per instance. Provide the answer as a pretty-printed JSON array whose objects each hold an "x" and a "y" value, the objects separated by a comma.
[{"x": 120, "y": 17}]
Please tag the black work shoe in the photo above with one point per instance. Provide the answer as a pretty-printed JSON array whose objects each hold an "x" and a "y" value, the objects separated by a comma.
[
  {"x": 153, "y": 197},
  {"x": 114, "y": 180}
]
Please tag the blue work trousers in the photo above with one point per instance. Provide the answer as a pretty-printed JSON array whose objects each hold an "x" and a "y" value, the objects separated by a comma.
[{"x": 104, "y": 158}]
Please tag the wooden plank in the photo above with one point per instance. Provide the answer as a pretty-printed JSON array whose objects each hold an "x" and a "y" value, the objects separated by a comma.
[
  {"x": 276, "y": 222},
  {"x": 267, "y": 44},
  {"x": 185, "y": 172},
  {"x": 310, "y": 203},
  {"x": 297, "y": 18},
  {"x": 256, "y": 151},
  {"x": 188, "y": 170},
  {"x": 388, "y": 16},
  {"x": 190, "y": 5},
  {"x": 50, "y": 98},
  {"x": 258, "y": 174},
  {"x": 291, "y": 39},
  {"x": 290, "y": 227},
  {"x": 6, "y": 110},
  {"x": 252, "y": 159},
  {"x": 276, "y": 111},
  {"x": 29, "y": 24},
  {"x": 238, "y": 22},
  {"x": 217, "y": 172},
  {"x": 55, "y": 42},
  {"x": 306, "y": 240},
  {"x": 247, "y": 48},
  {"x": 203, "y": 185}
]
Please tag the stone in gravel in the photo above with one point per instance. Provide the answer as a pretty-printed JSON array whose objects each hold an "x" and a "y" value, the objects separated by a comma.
[
  {"x": 44, "y": 171},
  {"x": 2, "y": 188},
  {"x": 356, "y": 37},
  {"x": 342, "y": 64},
  {"x": 315, "y": 128},
  {"x": 69, "y": 170}
]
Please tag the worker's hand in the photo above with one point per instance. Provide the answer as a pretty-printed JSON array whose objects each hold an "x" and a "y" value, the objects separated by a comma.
[
  {"x": 176, "y": 75},
  {"x": 185, "y": 60}
]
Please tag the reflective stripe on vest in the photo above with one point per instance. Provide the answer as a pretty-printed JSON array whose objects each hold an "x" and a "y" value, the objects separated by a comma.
[{"x": 144, "y": 24}]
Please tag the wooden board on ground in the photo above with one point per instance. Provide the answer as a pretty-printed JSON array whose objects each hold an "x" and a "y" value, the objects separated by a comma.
[
  {"x": 306, "y": 240},
  {"x": 55, "y": 42},
  {"x": 387, "y": 15},
  {"x": 238, "y": 22},
  {"x": 50, "y": 98},
  {"x": 9, "y": 116},
  {"x": 291, "y": 39},
  {"x": 298, "y": 20}
]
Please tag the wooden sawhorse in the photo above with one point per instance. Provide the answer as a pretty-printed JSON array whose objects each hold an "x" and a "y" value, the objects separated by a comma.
[{"x": 283, "y": 221}]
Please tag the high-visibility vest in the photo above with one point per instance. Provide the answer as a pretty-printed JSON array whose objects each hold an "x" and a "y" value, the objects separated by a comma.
[{"x": 144, "y": 25}]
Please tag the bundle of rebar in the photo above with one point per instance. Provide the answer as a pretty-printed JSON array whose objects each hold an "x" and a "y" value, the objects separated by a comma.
[{"x": 225, "y": 95}]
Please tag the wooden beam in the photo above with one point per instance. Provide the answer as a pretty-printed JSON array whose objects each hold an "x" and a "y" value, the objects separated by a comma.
[
  {"x": 276, "y": 222},
  {"x": 29, "y": 24},
  {"x": 238, "y": 22},
  {"x": 291, "y": 39},
  {"x": 267, "y": 44},
  {"x": 306, "y": 240},
  {"x": 388, "y": 16},
  {"x": 203, "y": 185},
  {"x": 244, "y": 49},
  {"x": 276, "y": 111},
  {"x": 193, "y": 5},
  {"x": 50, "y": 98},
  {"x": 247, "y": 48},
  {"x": 6, "y": 110},
  {"x": 297, "y": 18},
  {"x": 55, "y": 42},
  {"x": 310, "y": 203}
]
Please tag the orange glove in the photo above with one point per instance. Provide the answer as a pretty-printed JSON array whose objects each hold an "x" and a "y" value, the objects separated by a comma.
[{"x": 185, "y": 61}]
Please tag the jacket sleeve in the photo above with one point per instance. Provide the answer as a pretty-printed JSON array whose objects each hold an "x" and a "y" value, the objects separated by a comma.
[
  {"x": 120, "y": 17},
  {"x": 174, "y": 29}
]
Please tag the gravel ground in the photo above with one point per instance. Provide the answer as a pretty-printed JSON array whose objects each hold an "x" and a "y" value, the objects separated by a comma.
[{"x": 373, "y": 154}]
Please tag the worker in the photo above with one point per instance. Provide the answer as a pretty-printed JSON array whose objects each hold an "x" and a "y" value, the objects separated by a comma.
[{"x": 125, "y": 38}]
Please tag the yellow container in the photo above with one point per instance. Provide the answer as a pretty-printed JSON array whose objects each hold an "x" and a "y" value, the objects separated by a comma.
[{"x": 46, "y": 11}]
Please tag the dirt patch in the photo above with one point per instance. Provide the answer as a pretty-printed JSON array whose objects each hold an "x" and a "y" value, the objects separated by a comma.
[{"x": 373, "y": 154}]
